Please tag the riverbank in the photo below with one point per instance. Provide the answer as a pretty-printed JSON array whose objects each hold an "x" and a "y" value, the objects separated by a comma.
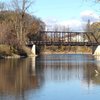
[
  {"x": 7, "y": 51},
  {"x": 66, "y": 50},
  {"x": 62, "y": 52}
]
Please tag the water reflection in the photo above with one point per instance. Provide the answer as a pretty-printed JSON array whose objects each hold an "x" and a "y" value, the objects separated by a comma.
[
  {"x": 35, "y": 78},
  {"x": 16, "y": 77},
  {"x": 68, "y": 67},
  {"x": 96, "y": 80}
]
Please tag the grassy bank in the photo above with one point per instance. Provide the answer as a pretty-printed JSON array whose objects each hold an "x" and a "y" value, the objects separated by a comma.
[
  {"x": 66, "y": 50},
  {"x": 8, "y": 51}
]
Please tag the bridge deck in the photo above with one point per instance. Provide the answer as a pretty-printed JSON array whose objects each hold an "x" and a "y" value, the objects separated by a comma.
[{"x": 42, "y": 43}]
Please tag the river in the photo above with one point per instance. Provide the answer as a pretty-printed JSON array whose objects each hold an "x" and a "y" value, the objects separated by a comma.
[{"x": 50, "y": 77}]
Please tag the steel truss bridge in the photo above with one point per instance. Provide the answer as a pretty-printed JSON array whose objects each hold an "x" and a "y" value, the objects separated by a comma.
[{"x": 57, "y": 38}]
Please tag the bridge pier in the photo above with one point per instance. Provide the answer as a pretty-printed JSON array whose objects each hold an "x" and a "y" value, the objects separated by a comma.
[
  {"x": 96, "y": 50},
  {"x": 33, "y": 49}
]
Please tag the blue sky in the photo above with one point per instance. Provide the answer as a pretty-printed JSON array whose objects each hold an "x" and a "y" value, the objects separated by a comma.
[
  {"x": 65, "y": 12},
  {"x": 61, "y": 9},
  {"x": 71, "y": 13}
]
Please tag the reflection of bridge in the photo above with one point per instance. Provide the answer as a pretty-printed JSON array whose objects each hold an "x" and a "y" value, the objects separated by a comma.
[
  {"x": 66, "y": 38},
  {"x": 57, "y": 38}
]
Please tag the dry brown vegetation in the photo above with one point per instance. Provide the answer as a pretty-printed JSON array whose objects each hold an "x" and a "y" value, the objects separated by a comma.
[{"x": 17, "y": 26}]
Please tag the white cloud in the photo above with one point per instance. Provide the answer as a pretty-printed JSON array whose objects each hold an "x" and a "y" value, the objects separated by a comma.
[
  {"x": 89, "y": 15},
  {"x": 71, "y": 23},
  {"x": 74, "y": 24},
  {"x": 50, "y": 21}
]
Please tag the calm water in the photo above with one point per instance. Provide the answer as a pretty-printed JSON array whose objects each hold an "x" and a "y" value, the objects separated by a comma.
[{"x": 50, "y": 77}]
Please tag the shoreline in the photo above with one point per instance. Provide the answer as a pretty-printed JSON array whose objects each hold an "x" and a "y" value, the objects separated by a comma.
[
  {"x": 53, "y": 52},
  {"x": 17, "y": 56}
]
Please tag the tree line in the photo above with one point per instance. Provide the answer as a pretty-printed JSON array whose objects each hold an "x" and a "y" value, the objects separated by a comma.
[{"x": 17, "y": 26}]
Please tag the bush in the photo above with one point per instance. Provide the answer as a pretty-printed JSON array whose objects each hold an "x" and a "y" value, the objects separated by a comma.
[{"x": 5, "y": 50}]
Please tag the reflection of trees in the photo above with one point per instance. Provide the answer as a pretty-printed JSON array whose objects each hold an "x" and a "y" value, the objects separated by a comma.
[
  {"x": 89, "y": 72},
  {"x": 16, "y": 76},
  {"x": 96, "y": 79},
  {"x": 62, "y": 68},
  {"x": 57, "y": 67},
  {"x": 92, "y": 73}
]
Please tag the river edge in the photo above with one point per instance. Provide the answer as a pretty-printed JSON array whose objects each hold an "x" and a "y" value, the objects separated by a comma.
[
  {"x": 6, "y": 51},
  {"x": 17, "y": 56},
  {"x": 42, "y": 53},
  {"x": 50, "y": 52}
]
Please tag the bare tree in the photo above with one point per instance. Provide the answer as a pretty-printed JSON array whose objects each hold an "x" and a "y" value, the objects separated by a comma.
[{"x": 21, "y": 7}]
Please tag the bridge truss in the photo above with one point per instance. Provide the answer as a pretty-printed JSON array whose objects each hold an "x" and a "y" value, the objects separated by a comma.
[{"x": 57, "y": 38}]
